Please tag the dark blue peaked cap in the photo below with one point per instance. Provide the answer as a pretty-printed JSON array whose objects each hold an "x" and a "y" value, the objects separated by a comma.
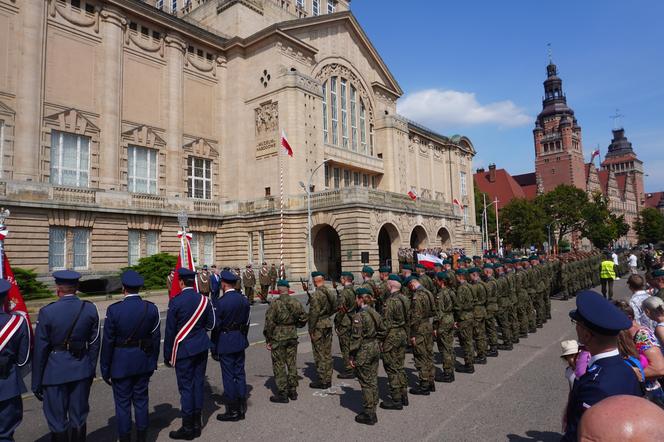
[
  {"x": 599, "y": 314},
  {"x": 64, "y": 277},
  {"x": 133, "y": 279},
  {"x": 185, "y": 273}
]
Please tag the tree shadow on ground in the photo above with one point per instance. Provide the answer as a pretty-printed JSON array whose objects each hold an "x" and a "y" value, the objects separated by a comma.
[{"x": 535, "y": 436}]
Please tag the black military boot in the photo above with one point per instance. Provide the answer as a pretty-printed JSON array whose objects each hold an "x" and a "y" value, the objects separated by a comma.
[
  {"x": 292, "y": 395},
  {"x": 279, "y": 398},
  {"x": 448, "y": 377},
  {"x": 124, "y": 437},
  {"x": 197, "y": 424},
  {"x": 346, "y": 375},
  {"x": 366, "y": 418},
  {"x": 421, "y": 390},
  {"x": 232, "y": 414},
  {"x": 515, "y": 340},
  {"x": 467, "y": 368},
  {"x": 392, "y": 405},
  {"x": 79, "y": 434},
  {"x": 523, "y": 335},
  {"x": 404, "y": 397},
  {"x": 319, "y": 385},
  {"x": 481, "y": 360},
  {"x": 505, "y": 346},
  {"x": 432, "y": 386},
  {"x": 242, "y": 407},
  {"x": 493, "y": 352},
  {"x": 60, "y": 437},
  {"x": 141, "y": 435},
  {"x": 186, "y": 431}
]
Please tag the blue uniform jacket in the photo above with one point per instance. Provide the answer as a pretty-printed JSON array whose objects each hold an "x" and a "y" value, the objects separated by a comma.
[
  {"x": 16, "y": 354},
  {"x": 215, "y": 283},
  {"x": 180, "y": 310},
  {"x": 122, "y": 318},
  {"x": 55, "y": 367},
  {"x": 232, "y": 310},
  {"x": 606, "y": 377}
]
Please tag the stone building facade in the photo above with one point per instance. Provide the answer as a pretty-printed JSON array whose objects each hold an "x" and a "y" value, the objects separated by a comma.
[{"x": 116, "y": 115}]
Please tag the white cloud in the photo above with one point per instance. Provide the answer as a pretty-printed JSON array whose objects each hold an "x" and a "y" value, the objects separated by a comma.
[{"x": 448, "y": 108}]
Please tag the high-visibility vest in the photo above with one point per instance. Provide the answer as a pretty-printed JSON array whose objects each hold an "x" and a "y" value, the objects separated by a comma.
[{"x": 608, "y": 271}]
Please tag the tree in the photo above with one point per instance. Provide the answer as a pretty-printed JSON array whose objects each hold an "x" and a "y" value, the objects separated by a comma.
[
  {"x": 155, "y": 269},
  {"x": 523, "y": 223},
  {"x": 600, "y": 226},
  {"x": 650, "y": 226},
  {"x": 564, "y": 207}
]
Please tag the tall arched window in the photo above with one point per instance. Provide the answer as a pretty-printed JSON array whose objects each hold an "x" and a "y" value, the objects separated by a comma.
[{"x": 342, "y": 101}]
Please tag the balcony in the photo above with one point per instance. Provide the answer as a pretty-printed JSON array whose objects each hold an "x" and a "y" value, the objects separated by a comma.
[
  {"x": 145, "y": 201},
  {"x": 76, "y": 195},
  {"x": 353, "y": 159}
]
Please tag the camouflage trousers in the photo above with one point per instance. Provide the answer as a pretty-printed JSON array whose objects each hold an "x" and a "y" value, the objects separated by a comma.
[
  {"x": 366, "y": 370},
  {"x": 532, "y": 315},
  {"x": 445, "y": 341},
  {"x": 491, "y": 328},
  {"x": 284, "y": 358},
  {"x": 344, "y": 344},
  {"x": 249, "y": 291},
  {"x": 394, "y": 355},
  {"x": 423, "y": 354},
  {"x": 514, "y": 320},
  {"x": 546, "y": 297},
  {"x": 479, "y": 334},
  {"x": 321, "y": 344},
  {"x": 466, "y": 341},
  {"x": 540, "y": 307},
  {"x": 522, "y": 311},
  {"x": 504, "y": 322}
]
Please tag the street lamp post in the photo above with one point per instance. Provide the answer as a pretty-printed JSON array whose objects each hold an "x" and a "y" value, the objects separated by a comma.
[
  {"x": 307, "y": 190},
  {"x": 486, "y": 225}
]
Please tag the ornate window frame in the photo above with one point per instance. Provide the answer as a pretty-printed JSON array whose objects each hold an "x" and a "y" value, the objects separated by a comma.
[
  {"x": 207, "y": 150},
  {"x": 7, "y": 124},
  {"x": 148, "y": 137}
]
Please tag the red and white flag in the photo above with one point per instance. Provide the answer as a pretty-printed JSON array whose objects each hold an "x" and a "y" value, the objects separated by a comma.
[
  {"x": 594, "y": 154},
  {"x": 14, "y": 302},
  {"x": 185, "y": 251},
  {"x": 284, "y": 143},
  {"x": 412, "y": 194},
  {"x": 456, "y": 202},
  {"x": 428, "y": 261}
]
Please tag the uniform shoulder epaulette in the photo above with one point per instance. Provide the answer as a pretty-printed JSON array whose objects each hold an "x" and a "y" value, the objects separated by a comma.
[
  {"x": 150, "y": 302},
  {"x": 116, "y": 303},
  {"x": 49, "y": 304}
]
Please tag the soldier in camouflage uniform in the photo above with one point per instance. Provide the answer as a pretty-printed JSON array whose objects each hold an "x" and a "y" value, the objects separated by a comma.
[
  {"x": 368, "y": 282},
  {"x": 530, "y": 290},
  {"x": 443, "y": 326},
  {"x": 395, "y": 315},
  {"x": 479, "y": 315},
  {"x": 491, "y": 288},
  {"x": 503, "y": 314},
  {"x": 522, "y": 304},
  {"x": 538, "y": 291},
  {"x": 424, "y": 279},
  {"x": 510, "y": 275},
  {"x": 249, "y": 281},
  {"x": 464, "y": 304},
  {"x": 368, "y": 331},
  {"x": 343, "y": 321},
  {"x": 406, "y": 271},
  {"x": 383, "y": 289},
  {"x": 282, "y": 319},
  {"x": 422, "y": 309},
  {"x": 322, "y": 306}
]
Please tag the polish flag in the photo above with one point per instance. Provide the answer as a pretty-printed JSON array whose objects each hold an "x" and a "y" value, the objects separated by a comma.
[
  {"x": 594, "y": 154},
  {"x": 412, "y": 194},
  {"x": 285, "y": 144},
  {"x": 456, "y": 202},
  {"x": 428, "y": 261},
  {"x": 186, "y": 257},
  {"x": 14, "y": 302}
]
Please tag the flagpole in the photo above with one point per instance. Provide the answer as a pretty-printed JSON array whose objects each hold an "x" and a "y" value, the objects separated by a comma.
[
  {"x": 281, "y": 208},
  {"x": 4, "y": 214}
]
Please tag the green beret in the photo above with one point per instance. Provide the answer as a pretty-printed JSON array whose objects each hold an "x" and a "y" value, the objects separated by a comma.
[
  {"x": 488, "y": 266},
  {"x": 658, "y": 273},
  {"x": 283, "y": 283},
  {"x": 407, "y": 267},
  {"x": 438, "y": 264},
  {"x": 534, "y": 258},
  {"x": 447, "y": 261},
  {"x": 477, "y": 257},
  {"x": 420, "y": 266},
  {"x": 317, "y": 274},
  {"x": 461, "y": 271},
  {"x": 361, "y": 291},
  {"x": 348, "y": 275},
  {"x": 394, "y": 277},
  {"x": 442, "y": 275},
  {"x": 497, "y": 265},
  {"x": 367, "y": 269},
  {"x": 525, "y": 260},
  {"x": 409, "y": 279},
  {"x": 466, "y": 259},
  {"x": 384, "y": 269},
  {"x": 473, "y": 270}
]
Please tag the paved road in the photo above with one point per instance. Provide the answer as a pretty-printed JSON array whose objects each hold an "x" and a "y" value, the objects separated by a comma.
[{"x": 518, "y": 396}]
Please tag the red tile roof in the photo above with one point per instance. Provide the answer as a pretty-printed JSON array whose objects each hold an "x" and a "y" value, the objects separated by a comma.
[
  {"x": 603, "y": 176},
  {"x": 528, "y": 182},
  {"x": 654, "y": 199},
  {"x": 505, "y": 187}
]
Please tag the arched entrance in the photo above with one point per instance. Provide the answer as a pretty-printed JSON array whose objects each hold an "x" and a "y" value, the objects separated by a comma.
[
  {"x": 388, "y": 245},
  {"x": 444, "y": 238},
  {"x": 327, "y": 251},
  {"x": 418, "y": 238}
]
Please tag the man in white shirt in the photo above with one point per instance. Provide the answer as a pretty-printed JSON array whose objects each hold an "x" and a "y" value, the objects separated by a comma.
[
  {"x": 614, "y": 256},
  {"x": 636, "y": 284},
  {"x": 633, "y": 262}
]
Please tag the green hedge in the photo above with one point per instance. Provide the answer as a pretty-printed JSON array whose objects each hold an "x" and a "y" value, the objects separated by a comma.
[
  {"x": 155, "y": 269},
  {"x": 30, "y": 287}
]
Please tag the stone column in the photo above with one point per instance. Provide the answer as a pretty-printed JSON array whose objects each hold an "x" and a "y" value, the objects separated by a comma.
[
  {"x": 109, "y": 155},
  {"x": 175, "y": 50},
  {"x": 27, "y": 147}
]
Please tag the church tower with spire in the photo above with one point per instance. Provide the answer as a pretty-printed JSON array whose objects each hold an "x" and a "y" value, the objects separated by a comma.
[{"x": 558, "y": 147}]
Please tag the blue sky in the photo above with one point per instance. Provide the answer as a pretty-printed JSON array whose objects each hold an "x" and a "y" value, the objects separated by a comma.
[{"x": 479, "y": 67}]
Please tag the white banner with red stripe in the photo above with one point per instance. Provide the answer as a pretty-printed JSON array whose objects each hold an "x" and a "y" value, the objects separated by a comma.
[
  {"x": 9, "y": 330},
  {"x": 188, "y": 327}
]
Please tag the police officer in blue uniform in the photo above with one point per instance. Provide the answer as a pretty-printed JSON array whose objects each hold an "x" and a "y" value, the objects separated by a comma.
[
  {"x": 129, "y": 354},
  {"x": 65, "y": 359},
  {"x": 186, "y": 344},
  {"x": 598, "y": 323},
  {"x": 14, "y": 353},
  {"x": 229, "y": 343}
]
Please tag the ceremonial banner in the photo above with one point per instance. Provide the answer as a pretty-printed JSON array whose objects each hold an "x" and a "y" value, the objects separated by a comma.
[
  {"x": 428, "y": 260},
  {"x": 14, "y": 302},
  {"x": 185, "y": 251}
]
